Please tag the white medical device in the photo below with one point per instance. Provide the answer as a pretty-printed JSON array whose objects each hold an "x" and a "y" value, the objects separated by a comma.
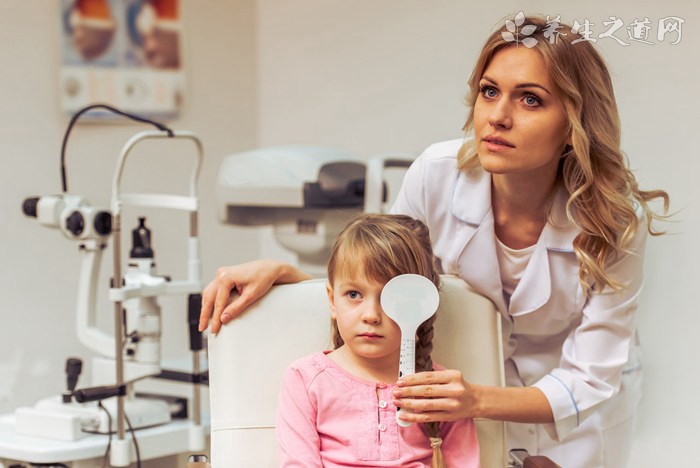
[
  {"x": 409, "y": 300},
  {"x": 133, "y": 352},
  {"x": 306, "y": 193}
]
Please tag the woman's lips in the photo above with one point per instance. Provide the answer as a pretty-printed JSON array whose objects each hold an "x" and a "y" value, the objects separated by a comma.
[
  {"x": 498, "y": 140},
  {"x": 497, "y": 144}
]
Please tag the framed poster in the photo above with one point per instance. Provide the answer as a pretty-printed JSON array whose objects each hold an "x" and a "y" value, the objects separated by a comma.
[{"x": 125, "y": 53}]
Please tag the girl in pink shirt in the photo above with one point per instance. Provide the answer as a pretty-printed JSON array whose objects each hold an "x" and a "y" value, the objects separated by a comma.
[{"x": 335, "y": 406}]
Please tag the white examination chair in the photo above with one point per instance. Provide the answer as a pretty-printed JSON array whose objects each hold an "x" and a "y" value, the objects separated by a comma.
[{"x": 248, "y": 356}]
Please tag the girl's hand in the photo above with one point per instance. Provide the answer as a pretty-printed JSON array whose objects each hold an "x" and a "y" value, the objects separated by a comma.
[
  {"x": 250, "y": 280},
  {"x": 435, "y": 396}
]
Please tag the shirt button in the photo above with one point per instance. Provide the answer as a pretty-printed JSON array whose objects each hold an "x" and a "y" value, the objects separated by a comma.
[
  {"x": 531, "y": 431},
  {"x": 382, "y": 427},
  {"x": 512, "y": 343},
  {"x": 382, "y": 404}
]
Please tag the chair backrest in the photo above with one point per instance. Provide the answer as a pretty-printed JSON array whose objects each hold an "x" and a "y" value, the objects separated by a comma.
[{"x": 248, "y": 356}]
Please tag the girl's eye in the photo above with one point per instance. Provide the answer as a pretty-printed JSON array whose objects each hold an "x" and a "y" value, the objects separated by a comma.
[
  {"x": 532, "y": 101},
  {"x": 488, "y": 91},
  {"x": 353, "y": 294}
]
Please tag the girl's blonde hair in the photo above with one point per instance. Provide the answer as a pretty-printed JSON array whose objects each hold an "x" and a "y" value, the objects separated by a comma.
[
  {"x": 380, "y": 247},
  {"x": 603, "y": 192}
]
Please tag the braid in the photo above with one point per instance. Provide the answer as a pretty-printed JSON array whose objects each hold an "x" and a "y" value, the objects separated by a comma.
[
  {"x": 433, "y": 430},
  {"x": 337, "y": 339},
  {"x": 424, "y": 363},
  {"x": 424, "y": 345}
]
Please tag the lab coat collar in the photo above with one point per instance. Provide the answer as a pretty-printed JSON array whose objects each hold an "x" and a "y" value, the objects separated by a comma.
[
  {"x": 559, "y": 232},
  {"x": 535, "y": 286},
  {"x": 478, "y": 263},
  {"x": 471, "y": 198},
  {"x": 471, "y": 203}
]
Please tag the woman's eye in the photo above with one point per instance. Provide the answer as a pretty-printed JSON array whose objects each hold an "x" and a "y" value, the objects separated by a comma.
[
  {"x": 488, "y": 91},
  {"x": 532, "y": 100}
]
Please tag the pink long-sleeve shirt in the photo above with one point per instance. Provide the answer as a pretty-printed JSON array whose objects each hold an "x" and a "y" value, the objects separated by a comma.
[{"x": 328, "y": 418}]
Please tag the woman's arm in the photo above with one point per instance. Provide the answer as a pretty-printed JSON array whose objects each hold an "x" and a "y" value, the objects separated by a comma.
[
  {"x": 445, "y": 396},
  {"x": 251, "y": 280},
  {"x": 601, "y": 348},
  {"x": 593, "y": 359}
]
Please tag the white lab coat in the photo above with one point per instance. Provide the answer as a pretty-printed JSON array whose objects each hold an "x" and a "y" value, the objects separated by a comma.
[{"x": 580, "y": 350}]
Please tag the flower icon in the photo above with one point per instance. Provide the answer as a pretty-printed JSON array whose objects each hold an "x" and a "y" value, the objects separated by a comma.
[{"x": 512, "y": 26}]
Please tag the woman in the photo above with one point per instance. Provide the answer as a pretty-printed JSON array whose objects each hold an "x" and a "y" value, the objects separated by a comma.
[{"x": 539, "y": 212}]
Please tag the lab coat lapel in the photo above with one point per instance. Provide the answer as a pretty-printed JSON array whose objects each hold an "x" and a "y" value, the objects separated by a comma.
[
  {"x": 477, "y": 262},
  {"x": 535, "y": 287}
]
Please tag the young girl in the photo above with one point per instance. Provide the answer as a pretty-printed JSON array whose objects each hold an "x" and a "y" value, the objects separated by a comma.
[{"x": 335, "y": 406}]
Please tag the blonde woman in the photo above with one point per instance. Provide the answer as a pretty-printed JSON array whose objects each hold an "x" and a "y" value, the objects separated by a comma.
[{"x": 537, "y": 210}]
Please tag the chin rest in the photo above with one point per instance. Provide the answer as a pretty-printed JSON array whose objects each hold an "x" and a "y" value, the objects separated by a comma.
[{"x": 249, "y": 355}]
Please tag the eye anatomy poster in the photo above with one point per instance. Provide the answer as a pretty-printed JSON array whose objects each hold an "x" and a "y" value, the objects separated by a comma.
[{"x": 125, "y": 53}]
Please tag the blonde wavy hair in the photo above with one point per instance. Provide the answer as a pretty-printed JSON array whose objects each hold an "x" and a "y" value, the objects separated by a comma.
[
  {"x": 380, "y": 247},
  {"x": 603, "y": 192}
]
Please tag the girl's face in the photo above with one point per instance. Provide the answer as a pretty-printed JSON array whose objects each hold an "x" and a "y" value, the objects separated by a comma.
[
  {"x": 519, "y": 123},
  {"x": 367, "y": 331}
]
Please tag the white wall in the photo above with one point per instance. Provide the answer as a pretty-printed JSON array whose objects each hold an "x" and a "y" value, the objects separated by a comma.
[
  {"x": 38, "y": 267},
  {"x": 372, "y": 76}
]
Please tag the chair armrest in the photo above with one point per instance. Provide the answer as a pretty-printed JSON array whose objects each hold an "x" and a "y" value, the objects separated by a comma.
[
  {"x": 520, "y": 458},
  {"x": 539, "y": 461}
]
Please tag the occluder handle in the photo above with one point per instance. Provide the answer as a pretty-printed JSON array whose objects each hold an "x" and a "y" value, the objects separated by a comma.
[{"x": 407, "y": 366}]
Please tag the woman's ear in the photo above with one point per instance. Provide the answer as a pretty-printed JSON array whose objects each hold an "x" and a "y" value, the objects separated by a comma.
[{"x": 331, "y": 298}]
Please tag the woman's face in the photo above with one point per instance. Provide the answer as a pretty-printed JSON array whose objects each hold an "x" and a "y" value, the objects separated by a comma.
[{"x": 519, "y": 123}]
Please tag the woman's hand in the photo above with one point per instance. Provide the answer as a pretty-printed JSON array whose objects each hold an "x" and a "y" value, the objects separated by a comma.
[
  {"x": 435, "y": 396},
  {"x": 445, "y": 396},
  {"x": 250, "y": 280}
]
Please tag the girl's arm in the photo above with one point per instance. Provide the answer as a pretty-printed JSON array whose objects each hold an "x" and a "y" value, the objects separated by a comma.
[
  {"x": 460, "y": 446},
  {"x": 297, "y": 437},
  {"x": 251, "y": 280}
]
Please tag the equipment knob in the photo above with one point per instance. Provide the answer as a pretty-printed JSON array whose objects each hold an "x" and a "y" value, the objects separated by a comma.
[
  {"x": 29, "y": 206},
  {"x": 103, "y": 223},
  {"x": 75, "y": 223},
  {"x": 74, "y": 367},
  {"x": 141, "y": 241}
]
